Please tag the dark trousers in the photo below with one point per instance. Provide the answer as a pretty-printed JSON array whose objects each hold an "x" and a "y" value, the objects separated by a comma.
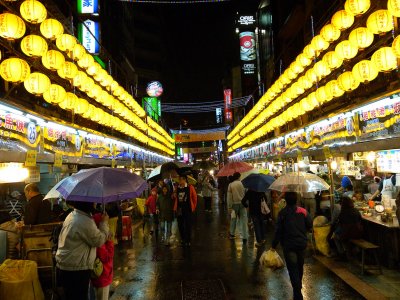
[
  {"x": 75, "y": 284},
  {"x": 207, "y": 203},
  {"x": 294, "y": 263},
  {"x": 185, "y": 225},
  {"x": 259, "y": 228}
]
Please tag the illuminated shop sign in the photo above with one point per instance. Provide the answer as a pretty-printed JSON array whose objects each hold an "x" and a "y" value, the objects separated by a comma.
[
  {"x": 154, "y": 89},
  {"x": 246, "y": 20},
  {"x": 89, "y": 35},
  {"x": 88, "y": 6}
]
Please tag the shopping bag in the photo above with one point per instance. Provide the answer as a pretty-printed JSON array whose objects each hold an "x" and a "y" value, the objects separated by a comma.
[
  {"x": 264, "y": 207},
  {"x": 321, "y": 239},
  {"x": 271, "y": 259},
  {"x": 233, "y": 214}
]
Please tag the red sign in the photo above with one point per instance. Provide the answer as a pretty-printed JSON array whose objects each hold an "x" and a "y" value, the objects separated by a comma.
[{"x": 228, "y": 103}]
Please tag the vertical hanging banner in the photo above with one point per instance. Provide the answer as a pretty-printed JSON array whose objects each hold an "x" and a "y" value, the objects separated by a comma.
[
  {"x": 227, "y": 105},
  {"x": 246, "y": 24}
]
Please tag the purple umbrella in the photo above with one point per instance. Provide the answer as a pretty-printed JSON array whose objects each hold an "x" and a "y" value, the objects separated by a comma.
[{"x": 102, "y": 185}]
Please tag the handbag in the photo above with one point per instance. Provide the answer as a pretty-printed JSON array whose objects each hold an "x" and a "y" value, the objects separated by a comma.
[
  {"x": 264, "y": 207},
  {"x": 97, "y": 268}
]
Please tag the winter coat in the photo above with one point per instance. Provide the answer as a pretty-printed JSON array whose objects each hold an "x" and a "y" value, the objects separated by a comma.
[
  {"x": 151, "y": 204},
  {"x": 78, "y": 240},
  {"x": 106, "y": 255},
  {"x": 192, "y": 196},
  {"x": 165, "y": 205}
]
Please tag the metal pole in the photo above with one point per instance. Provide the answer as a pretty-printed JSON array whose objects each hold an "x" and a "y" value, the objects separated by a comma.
[{"x": 331, "y": 188}]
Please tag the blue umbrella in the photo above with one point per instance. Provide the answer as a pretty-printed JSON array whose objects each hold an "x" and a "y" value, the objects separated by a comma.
[
  {"x": 102, "y": 185},
  {"x": 258, "y": 182}
]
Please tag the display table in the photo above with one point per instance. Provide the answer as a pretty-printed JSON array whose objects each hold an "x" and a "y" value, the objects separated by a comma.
[{"x": 387, "y": 236}]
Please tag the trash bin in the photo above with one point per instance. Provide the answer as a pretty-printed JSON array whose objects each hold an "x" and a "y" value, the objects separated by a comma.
[{"x": 19, "y": 280}]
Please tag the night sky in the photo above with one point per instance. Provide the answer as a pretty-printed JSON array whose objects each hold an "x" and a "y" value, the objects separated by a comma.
[{"x": 201, "y": 46}]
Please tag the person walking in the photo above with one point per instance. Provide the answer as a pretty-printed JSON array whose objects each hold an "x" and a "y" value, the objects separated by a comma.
[
  {"x": 238, "y": 212},
  {"x": 165, "y": 207},
  {"x": 76, "y": 253},
  {"x": 184, "y": 206},
  {"x": 207, "y": 192},
  {"x": 105, "y": 253},
  {"x": 291, "y": 232},
  {"x": 151, "y": 206},
  {"x": 252, "y": 200}
]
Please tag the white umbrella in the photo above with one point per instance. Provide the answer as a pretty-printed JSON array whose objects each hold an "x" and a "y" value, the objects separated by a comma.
[
  {"x": 155, "y": 173},
  {"x": 300, "y": 182},
  {"x": 53, "y": 193}
]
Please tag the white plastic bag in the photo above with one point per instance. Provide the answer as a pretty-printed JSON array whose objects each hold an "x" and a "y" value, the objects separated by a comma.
[
  {"x": 264, "y": 207},
  {"x": 233, "y": 214},
  {"x": 271, "y": 259}
]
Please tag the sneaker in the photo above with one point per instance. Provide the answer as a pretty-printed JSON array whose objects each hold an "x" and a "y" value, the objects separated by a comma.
[{"x": 231, "y": 236}]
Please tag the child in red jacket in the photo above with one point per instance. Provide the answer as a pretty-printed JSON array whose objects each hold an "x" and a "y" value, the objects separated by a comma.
[
  {"x": 151, "y": 205},
  {"x": 106, "y": 255}
]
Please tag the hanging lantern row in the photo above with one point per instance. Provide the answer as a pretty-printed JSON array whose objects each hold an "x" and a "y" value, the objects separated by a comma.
[
  {"x": 13, "y": 27},
  {"x": 378, "y": 22}
]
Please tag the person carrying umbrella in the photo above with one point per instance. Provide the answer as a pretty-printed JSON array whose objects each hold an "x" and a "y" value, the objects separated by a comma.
[
  {"x": 185, "y": 205},
  {"x": 236, "y": 192},
  {"x": 76, "y": 253}
]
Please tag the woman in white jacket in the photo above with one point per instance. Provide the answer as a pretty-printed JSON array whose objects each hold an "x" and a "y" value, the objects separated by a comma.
[{"x": 76, "y": 253}]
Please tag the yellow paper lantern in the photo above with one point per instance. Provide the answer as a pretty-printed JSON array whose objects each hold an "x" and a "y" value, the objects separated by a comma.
[
  {"x": 394, "y": 7},
  {"x": 330, "y": 33},
  {"x": 86, "y": 61},
  {"x": 53, "y": 60},
  {"x": 69, "y": 101},
  {"x": 12, "y": 27},
  {"x": 68, "y": 70},
  {"x": 310, "y": 52},
  {"x": 94, "y": 92},
  {"x": 396, "y": 46},
  {"x": 346, "y": 50},
  {"x": 37, "y": 83},
  {"x": 93, "y": 69},
  {"x": 312, "y": 100},
  {"x": 284, "y": 79},
  {"x": 357, "y": 7},
  {"x": 51, "y": 29},
  {"x": 81, "y": 106},
  {"x": 311, "y": 76},
  {"x": 14, "y": 70},
  {"x": 333, "y": 60},
  {"x": 347, "y": 81},
  {"x": 100, "y": 76},
  {"x": 321, "y": 69},
  {"x": 66, "y": 42},
  {"x": 319, "y": 44},
  {"x": 77, "y": 52},
  {"x": 33, "y": 11},
  {"x": 89, "y": 113},
  {"x": 334, "y": 89},
  {"x": 55, "y": 94},
  {"x": 380, "y": 21},
  {"x": 79, "y": 79},
  {"x": 303, "y": 60},
  {"x": 365, "y": 71},
  {"x": 361, "y": 37},
  {"x": 384, "y": 59},
  {"x": 34, "y": 45},
  {"x": 106, "y": 81},
  {"x": 305, "y": 83},
  {"x": 88, "y": 86},
  {"x": 323, "y": 94},
  {"x": 342, "y": 20}
]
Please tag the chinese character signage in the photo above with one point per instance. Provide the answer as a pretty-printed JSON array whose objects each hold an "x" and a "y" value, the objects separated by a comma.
[
  {"x": 228, "y": 104},
  {"x": 218, "y": 115},
  {"x": 89, "y": 35},
  {"x": 388, "y": 161},
  {"x": 60, "y": 140},
  {"x": 88, "y": 6},
  {"x": 380, "y": 121}
]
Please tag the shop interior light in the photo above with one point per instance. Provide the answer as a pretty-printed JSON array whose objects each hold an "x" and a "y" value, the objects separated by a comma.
[
  {"x": 13, "y": 172},
  {"x": 371, "y": 156},
  {"x": 334, "y": 165}
]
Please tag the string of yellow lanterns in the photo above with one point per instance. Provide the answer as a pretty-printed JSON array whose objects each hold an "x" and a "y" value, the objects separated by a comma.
[
  {"x": 383, "y": 60},
  {"x": 17, "y": 70}
]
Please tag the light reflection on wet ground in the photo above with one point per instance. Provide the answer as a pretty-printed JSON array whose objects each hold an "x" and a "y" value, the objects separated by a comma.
[{"x": 146, "y": 269}]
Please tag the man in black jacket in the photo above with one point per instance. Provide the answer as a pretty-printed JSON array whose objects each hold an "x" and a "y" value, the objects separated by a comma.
[
  {"x": 37, "y": 210},
  {"x": 291, "y": 231}
]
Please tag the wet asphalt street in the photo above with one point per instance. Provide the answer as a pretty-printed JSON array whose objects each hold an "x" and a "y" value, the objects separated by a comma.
[{"x": 214, "y": 267}]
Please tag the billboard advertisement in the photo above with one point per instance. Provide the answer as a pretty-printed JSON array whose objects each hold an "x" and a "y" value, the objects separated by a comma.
[{"x": 152, "y": 106}]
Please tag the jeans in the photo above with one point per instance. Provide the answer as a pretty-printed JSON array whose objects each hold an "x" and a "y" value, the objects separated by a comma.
[
  {"x": 294, "y": 263},
  {"x": 185, "y": 225},
  {"x": 259, "y": 228},
  {"x": 207, "y": 203},
  {"x": 241, "y": 217},
  {"x": 310, "y": 204},
  {"x": 75, "y": 284},
  {"x": 166, "y": 229}
]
